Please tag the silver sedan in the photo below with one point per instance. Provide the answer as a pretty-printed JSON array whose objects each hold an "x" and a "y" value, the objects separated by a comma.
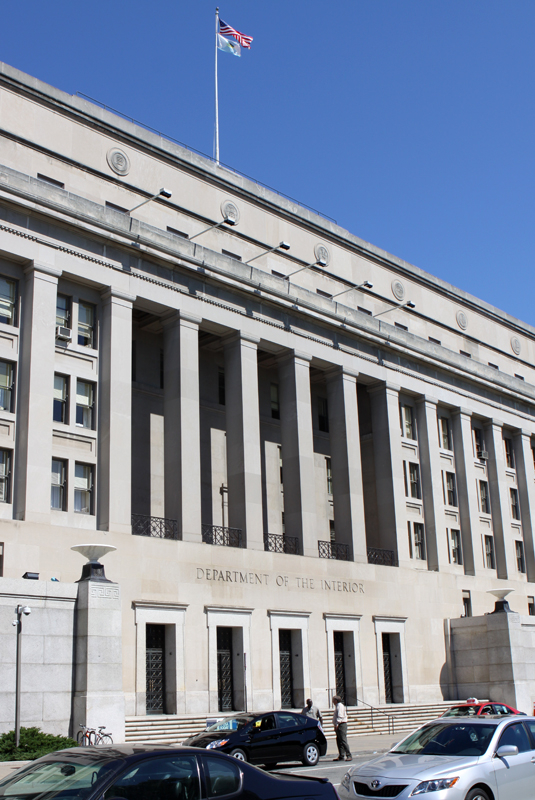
[{"x": 481, "y": 758}]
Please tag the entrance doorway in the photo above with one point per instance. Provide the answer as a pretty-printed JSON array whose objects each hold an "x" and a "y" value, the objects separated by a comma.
[
  {"x": 285, "y": 650},
  {"x": 339, "y": 665},
  {"x": 155, "y": 669},
  {"x": 393, "y": 673},
  {"x": 225, "y": 689},
  {"x": 387, "y": 669}
]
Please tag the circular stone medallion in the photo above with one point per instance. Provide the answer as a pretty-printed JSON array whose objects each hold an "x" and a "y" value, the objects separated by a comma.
[
  {"x": 516, "y": 347},
  {"x": 398, "y": 290},
  {"x": 230, "y": 210},
  {"x": 118, "y": 161},
  {"x": 462, "y": 320},
  {"x": 322, "y": 253}
]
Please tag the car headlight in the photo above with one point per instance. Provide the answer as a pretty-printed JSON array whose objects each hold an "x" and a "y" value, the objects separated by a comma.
[
  {"x": 217, "y": 743},
  {"x": 434, "y": 786},
  {"x": 345, "y": 782}
]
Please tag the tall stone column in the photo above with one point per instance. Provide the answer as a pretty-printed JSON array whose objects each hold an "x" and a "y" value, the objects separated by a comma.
[
  {"x": 98, "y": 690},
  {"x": 500, "y": 502},
  {"x": 35, "y": 395},
  {"x": 431, "y": 475},
  {"x": 298, "y": 451},
  {"x": 182, "y": 437},
  {"x": 244, "y": 469},
  {"x": 115, "y": 418},
  {"x": 388, "y": 457},
  {"x": 525, "y": 473},
  {"x": 346, "y": 463},
  {"x": 467, "y": 489}
]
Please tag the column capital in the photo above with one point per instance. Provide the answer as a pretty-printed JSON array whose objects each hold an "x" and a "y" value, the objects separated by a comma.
[
  {"x": 110, "y": 294},
  {"x": 523, "y": 433},
  {"x": 178, "y": 317},
  {"x": 295, "y": 355},
  {"x": 240, "y": 336},
  {"x": 389, "y": 388},
  {"x": 425, "y": 399},
  {"x": 339, "y": 371},
  {"x": 493, "y": 423},
  {"x": 461, "y": 412},
  {"x": 46, "y": 269}
]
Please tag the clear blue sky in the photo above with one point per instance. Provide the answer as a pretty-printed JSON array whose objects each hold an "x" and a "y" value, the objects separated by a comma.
[{"x": 411, "y": 122}]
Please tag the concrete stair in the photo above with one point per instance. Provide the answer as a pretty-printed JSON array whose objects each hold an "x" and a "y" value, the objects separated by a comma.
[{"x": 169, "y": 729}]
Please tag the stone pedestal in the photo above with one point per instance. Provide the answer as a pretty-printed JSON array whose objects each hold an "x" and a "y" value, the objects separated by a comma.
[{"x": 98, "y": 695}]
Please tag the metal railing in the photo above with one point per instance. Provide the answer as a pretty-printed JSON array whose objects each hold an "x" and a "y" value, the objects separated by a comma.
[
  {"x": 278, "y": 543},
  {"x": 386, "y": 558},
  {"x": 158, "y": 527},
  {"x": 391, "y": 719},
  {"x": 333, "y": 550},
  {"x": 225, "y": 537}
]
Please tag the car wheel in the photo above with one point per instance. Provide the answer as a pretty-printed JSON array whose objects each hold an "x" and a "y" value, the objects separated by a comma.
[
  {"x": 240, "y": 754},
  {"x": 477, "y": 794},
  {"x": 311, "y": 755}
]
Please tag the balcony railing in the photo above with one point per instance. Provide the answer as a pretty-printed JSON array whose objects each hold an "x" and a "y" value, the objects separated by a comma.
[
  {"x": 277, "y": 543},
  {"x": 333, "y": 550},
  {"x": 158, "y": 527},
  {"x": 225, "y": 537},
  {"x": 386, "y": 558}
]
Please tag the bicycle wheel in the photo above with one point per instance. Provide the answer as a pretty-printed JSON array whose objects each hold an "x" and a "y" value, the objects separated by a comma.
[
  {"x": 80, "y": 738},
  {"x": 105, "y": 739}
]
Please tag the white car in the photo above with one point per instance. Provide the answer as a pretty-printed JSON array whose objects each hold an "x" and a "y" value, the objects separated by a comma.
[{"x": 480, "y": 758}]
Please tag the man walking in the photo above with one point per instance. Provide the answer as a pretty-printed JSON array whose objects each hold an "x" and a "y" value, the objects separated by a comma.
[
  {"x": 340, "y": 727},
  {"x": 310, "y": 710}
]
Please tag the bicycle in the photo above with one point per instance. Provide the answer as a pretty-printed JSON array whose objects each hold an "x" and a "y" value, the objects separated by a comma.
[
  {"x": 86, "y": 737},
  {"x": 103, "y": 738}
]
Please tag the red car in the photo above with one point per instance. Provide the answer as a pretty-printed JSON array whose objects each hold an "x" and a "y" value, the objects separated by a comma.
[{"x": 473, "y": 708}]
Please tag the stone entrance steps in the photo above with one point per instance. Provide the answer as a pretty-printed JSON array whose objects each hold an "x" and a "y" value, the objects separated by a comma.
[{"x": 169, "y": 729}]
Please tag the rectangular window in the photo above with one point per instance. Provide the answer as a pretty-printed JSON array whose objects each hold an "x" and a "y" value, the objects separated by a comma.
[
  {"x": 494, "y": 366},
  {"x": 520, "y": 377},
  {"x": 332, "y": 533},
  {"x": 329, "y": 471},
  {"x": 520, "y": 563},
  {"x": 444, "y": 433},
  {"x": 515, "y": 507},
  {"x": 6, "y": 385},
  {"x": 509, "y": 453},
  {"x": 434, "y": 341},
  {"x": 83, "y": 488},
  {"x": 85, "y": 393},
  {"x": 274, "y": 397},
  {"x": 5, "y": 476},
  {"x": 399, "y": 325},
  {"x": 484, "y": 497},
  {"x": 86, "y": 324},
  {"x": 464, "y": 353},
  {"x": 51, "y": 181},
  {"x": 414, "y": 481},
  {"x": 279, "y": 448},
  {"x": 58, "y": 498},
  {"x": 228, "y": 253},
  {"x": 456, "y": 547},
  {"x": 364, "y": 311},
  {"x": 489, "y": 552},
  {"x": 221, "y": 386},
  {"x": 419, "y": 541},
  {"x": 323, "y": 294},
  {"x": 467, "y": 604},
  {"x": 61, "y": 394},
  {"x": 323, "y": 415},
  {"x": 8, "y": 296},
  {"x": 479, "y": 442},
  {"x": 407, "y": 421},
  {"x": 63, "y": 311},
  {"x": 531, "y": 606},
  {"x": 450, "y": 489},
  {"x": 177, "y": 233}
]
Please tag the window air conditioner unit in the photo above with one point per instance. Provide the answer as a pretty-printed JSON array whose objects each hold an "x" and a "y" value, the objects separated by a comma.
[
  {"x": 483, "y": 455},
  {"x": 65, "y": 334}
]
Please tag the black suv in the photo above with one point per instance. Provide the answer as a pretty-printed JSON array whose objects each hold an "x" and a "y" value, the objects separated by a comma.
[{"x": 265, "y": 738}]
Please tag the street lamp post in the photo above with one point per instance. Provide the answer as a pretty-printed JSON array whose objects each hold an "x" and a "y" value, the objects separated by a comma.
[{"x": 20, "y": 610}]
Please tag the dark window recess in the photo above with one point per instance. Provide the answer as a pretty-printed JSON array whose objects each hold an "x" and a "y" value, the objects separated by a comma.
[
  {"x": 531, "y": 602},
  {"x": 434, "y": 341},
  {"x": 2, "y": 560},
  {"x": 231, "y": 255},
  {"x": 399, "y": 325},
  {"x": 494, "y": 366},
  {"x": 177, "y": 233},
  {"x": 221, "y": 386},
  {"x": 323, "y": 415},
  {"x": 323, "y": 294},
  {"x": 134, "y": 360},
  {"x": 116, "y": 208},
  {"x": 364, "y": 311},
  {"x": 51, "y": 181},
  {"x": 467, "y": 604},
  {"x": 520, "y": 377},
  {"x": 275, "y": 406},
  {"x": 464, "y": 353},
  {"x": 277, "y": 274},
  {"x": 161, "y": 369}
]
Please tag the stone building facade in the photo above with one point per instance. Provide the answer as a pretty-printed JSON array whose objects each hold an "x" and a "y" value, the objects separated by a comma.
[{"x": 308, "y": 453}]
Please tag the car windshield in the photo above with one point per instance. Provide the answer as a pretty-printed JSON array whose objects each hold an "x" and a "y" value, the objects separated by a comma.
[
  {"x": 69, "y": 778},
  {"x": 461, "y": 711},
  {"x": 231, "y": 723},
  {"x": 462, "y": 739}
]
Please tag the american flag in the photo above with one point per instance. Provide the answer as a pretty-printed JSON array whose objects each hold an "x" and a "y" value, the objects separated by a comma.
[{"x": 226, "y": 30}]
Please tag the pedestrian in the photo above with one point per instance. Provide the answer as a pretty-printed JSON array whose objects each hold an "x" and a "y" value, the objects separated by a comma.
[
  {"x": 310, "y": 710},
  {"x": 340, "y": 727}
]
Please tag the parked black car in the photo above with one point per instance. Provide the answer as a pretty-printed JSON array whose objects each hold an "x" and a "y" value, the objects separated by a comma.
[
  {"x": 265, "y": 738},
  {"x": 145, "y": 772}
]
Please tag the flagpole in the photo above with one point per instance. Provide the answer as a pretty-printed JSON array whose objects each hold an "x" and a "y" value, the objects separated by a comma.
[{"x": 216, "y": 93}]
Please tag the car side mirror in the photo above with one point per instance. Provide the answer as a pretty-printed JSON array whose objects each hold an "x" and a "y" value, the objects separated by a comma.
[{"x": 507, "y": 750}]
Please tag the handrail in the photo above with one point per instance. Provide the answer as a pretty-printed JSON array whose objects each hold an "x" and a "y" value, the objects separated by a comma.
[{"x": 390, "y": 717}]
